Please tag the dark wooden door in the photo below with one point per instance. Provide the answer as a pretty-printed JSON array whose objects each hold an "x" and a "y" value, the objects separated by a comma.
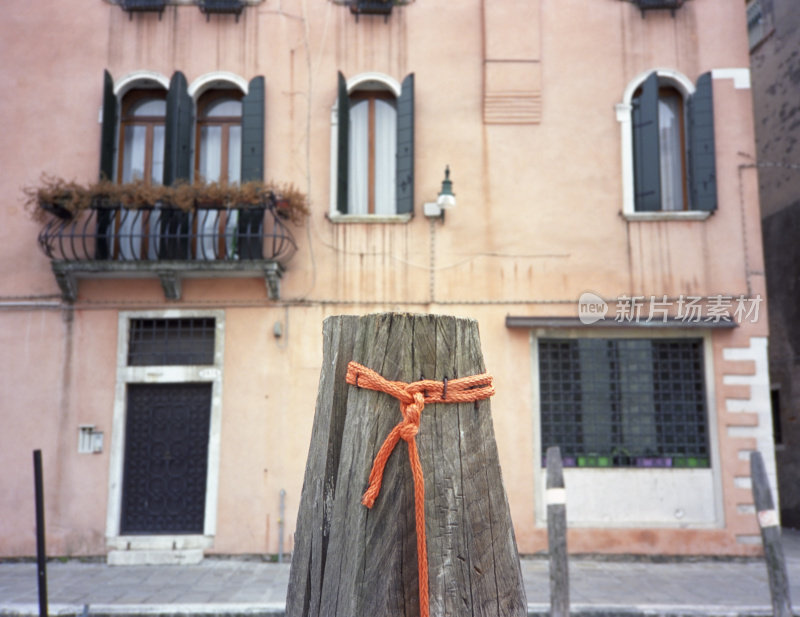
[{"x": 166, "y": 457}]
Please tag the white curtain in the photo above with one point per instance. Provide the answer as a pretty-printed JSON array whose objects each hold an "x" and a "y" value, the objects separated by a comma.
[
  {"x": 234, "y": 154},
  {"x": 385, "y": 157},
  {"x": 129, "y": 234},
  {"x": 157, "y": 172},
  {"x": 358, "y": 172},
  {"x": 210, "y": 164},
  {"x": 133, "y": 155},
  {"x": 671, "y": 146},
  {"x": 154, "y": 234},
  {"x": 210, "y": 168},
  {"x": 234, "y": 176}
]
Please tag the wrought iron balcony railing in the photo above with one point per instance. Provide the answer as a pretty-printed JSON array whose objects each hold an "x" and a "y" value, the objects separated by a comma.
[
  {"x": 221, "y": 6},
  {"x": 372, "y": 7},
  {"x": 167, "y": 242},
  {"x": 646, "y": 5},
  {"x": 137, "y": 6}
]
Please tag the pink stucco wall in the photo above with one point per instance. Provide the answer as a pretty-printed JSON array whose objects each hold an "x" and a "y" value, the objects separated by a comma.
[{"x": 538, "y": 222}]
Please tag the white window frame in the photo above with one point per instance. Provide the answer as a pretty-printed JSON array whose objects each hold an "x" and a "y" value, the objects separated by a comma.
[
  {"x": 354, "y": 83},
  {"x": 163, "y": 548},
  {"x": 667, "y": 487},
  {"x": 623, "y": 110}
]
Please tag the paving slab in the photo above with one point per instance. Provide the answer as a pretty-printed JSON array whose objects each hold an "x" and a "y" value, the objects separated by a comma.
[{"x": 231, "y": 587}]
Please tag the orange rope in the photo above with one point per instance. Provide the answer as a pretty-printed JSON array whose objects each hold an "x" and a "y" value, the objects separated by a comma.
[{"x": 412, "y": 397}]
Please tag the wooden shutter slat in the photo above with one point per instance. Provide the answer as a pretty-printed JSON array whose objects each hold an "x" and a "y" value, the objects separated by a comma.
[
  {"x": 342, "y": 157},
  {"x": 253, "y": 131},
  {"x": 178, "y": 137},
  {"x": 646, "y": 151},
  {"x": 702, "y": 158},
  {"x": 108, "y": 130},
  {"x": 174, "y": 240},
  {"x": 405, "y": 147}
]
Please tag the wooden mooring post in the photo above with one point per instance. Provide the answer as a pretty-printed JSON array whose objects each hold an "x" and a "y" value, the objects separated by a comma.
[
  {"x": 556, "y": 500},
  {"x": 769, "y": 523},
  {"x": 349, "y": 560}
]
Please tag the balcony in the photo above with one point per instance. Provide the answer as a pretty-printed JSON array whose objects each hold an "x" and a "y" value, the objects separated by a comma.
[
  {"x": 140, "y": 6},
  {"x": 233, "y": 7},
  {"x": 647, "y": 5},
  {"x": 372, "y": 7},
  {"x": 110, "y": 240}
]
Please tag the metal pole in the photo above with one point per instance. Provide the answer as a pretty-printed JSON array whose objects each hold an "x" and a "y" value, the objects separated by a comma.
[
  {"x": 556, "y": 499},
  {"x": 770, "y": 538},
  {"x": 41, "y": 553}
]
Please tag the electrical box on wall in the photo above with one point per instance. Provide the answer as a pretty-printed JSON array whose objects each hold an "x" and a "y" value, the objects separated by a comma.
[{"x": 90, "y": 441}]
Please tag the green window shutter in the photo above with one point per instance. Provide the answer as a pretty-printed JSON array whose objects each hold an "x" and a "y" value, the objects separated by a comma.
[
  {"x": 253, "y": 131},
  {"x": 646, "y": 157},
  {"x": 174, "y": 240},
  {"x": 702, "y": 163},
  {"x": 108, "y": 129},
  {"x": 342, "y": 156},
  {"x": 178, "y": 140},
  {"x": 108, "y": 132},
  {"x": 405, "y": 147}
]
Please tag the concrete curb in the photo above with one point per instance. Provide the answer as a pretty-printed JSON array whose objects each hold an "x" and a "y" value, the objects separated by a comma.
[{"x": 277, "y": 609}]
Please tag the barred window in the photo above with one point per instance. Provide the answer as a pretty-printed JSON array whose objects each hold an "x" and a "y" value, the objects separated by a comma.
[
  {"x": 161, "y": 342},
  {"x": 624, "y": 402}
]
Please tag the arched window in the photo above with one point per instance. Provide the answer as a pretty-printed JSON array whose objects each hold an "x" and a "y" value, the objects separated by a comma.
[
  {"x": 669, "y": 157},
  {"x": 374, "y": 147},
  {"x": 148, "y": 130},
  {"x": 219, "y": 136},
  {"x": 141, "y": 135},
  {"x": 121, "y": 233},
  {"x": 372, "y": 152}
]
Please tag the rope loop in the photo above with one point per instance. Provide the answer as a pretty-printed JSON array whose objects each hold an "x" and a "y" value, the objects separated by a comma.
[{"x": 413, "y": 397}]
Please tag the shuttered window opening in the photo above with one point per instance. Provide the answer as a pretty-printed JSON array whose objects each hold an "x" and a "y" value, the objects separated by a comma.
[
  {"x": 673, "y": 147},
  {"x": 173, "y": 157},
  {"x": 155, "y": 145},
  {"x": 375, "y": 149},
  {"x": 163, "y": 342},
  {"x": 624, "y": 402}
]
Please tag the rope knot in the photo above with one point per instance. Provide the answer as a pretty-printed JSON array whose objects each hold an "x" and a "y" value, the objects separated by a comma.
[
  {"x": 408, "y": 430},
  {"x": 412, "y": 397},
  {"x": 412, "y": 413}
]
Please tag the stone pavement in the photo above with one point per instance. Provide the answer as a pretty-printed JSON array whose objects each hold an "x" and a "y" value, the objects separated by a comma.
[{"x": 248, "y": 587}]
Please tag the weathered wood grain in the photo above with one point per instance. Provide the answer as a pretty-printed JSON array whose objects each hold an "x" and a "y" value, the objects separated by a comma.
[
  {"x": 313, "y": 520},
  {"x": 770, "y": 537},
  {"x": 557, "y": 534},
  {"x": 369, "y": 564}
]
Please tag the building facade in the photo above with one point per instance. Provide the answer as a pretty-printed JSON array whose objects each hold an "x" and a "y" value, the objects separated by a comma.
[
  {"x": 774, "y": 38},
  {"x": 606, "y": 237}
]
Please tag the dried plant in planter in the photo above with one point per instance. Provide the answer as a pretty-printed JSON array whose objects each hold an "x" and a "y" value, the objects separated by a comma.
[
  {"x": 64, "y": 199},
  {"x": 55, "y": 196},
  {"x": 291, "y": 202}
]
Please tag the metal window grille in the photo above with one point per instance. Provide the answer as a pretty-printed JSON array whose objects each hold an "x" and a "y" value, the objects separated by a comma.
[
  {"x": 161, "y": 342},
  {"x": 624, "y": 402}
]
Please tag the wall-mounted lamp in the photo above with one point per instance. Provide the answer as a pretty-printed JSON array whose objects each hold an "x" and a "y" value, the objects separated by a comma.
[{"x": 444, "y": 201}]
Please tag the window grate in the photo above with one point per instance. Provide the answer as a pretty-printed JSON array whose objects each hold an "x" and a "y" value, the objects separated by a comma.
[
  {"x": 624, "y": 402},
  {"x": 162, "y": 342}
]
